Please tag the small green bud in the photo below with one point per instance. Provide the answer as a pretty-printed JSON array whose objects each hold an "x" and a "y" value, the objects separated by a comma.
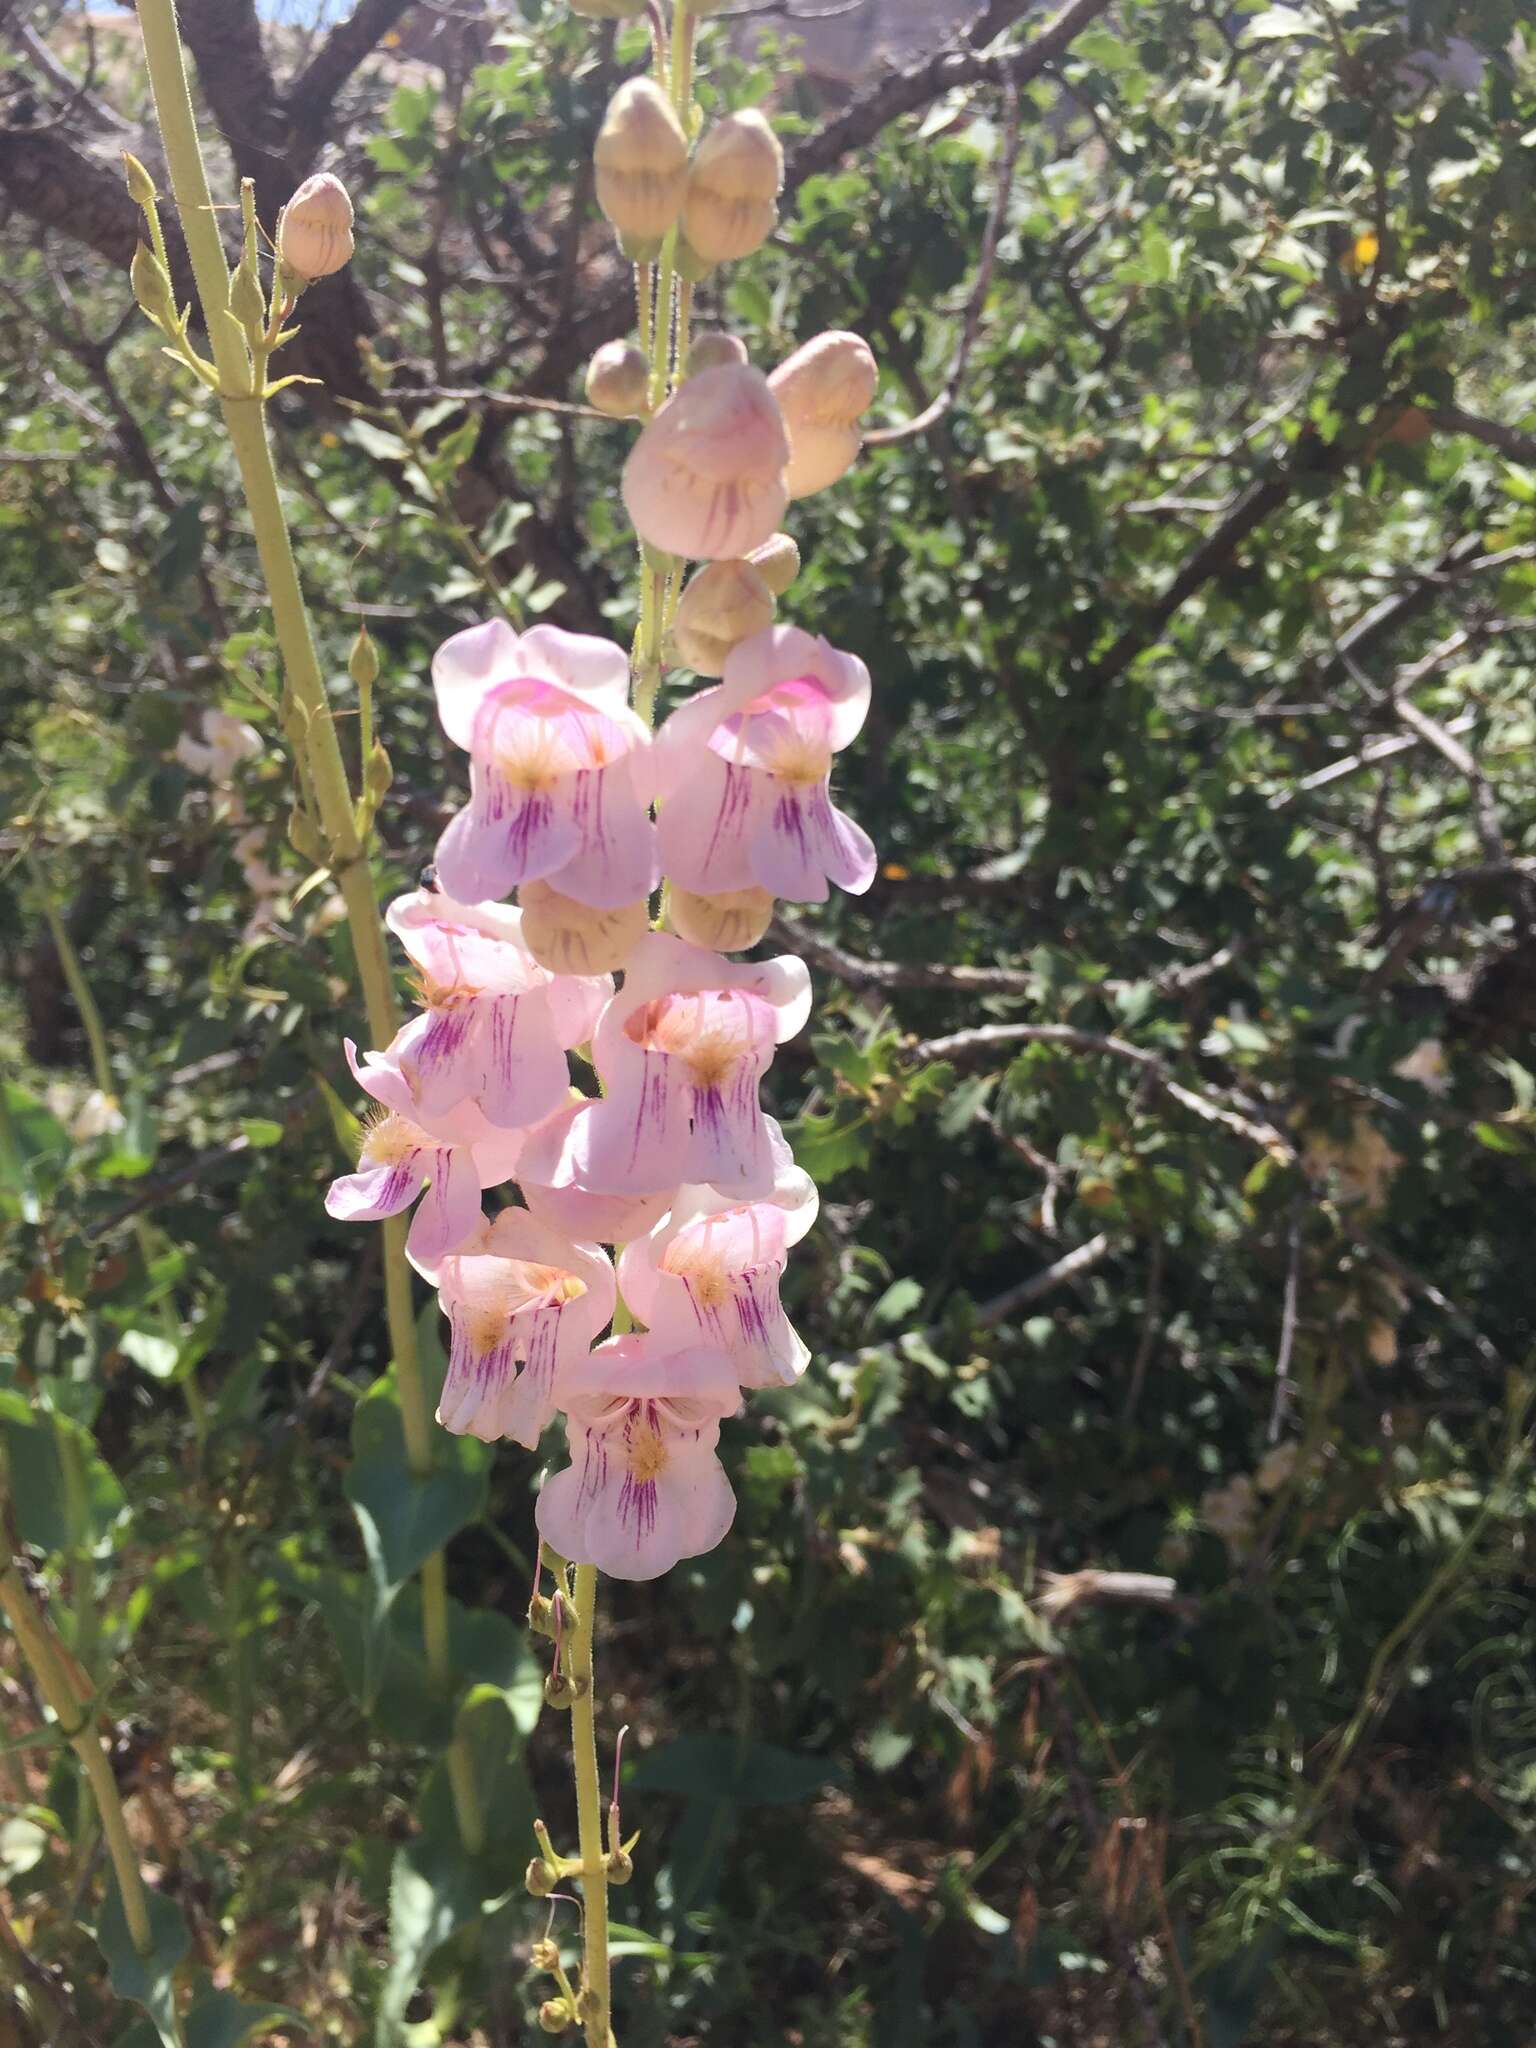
[
  {"x": 556, "y": 2016},
  {"x": 248, "y": 302},
  {"x": 378, "y": 774},
  {"x": 540, "y": 1879},
  {"x": 141, "y": 186},
  {"x": 152, "y": 287},
  {"x": 363, "y": 661},
  {"x": 305, "y": 837},
  {"x": 620, "y": 1866}
]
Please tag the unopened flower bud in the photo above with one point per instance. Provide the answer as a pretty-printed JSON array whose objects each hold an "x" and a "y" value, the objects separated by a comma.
[
  {"x": 561, "y": 1690},
  {"x": 620, "y": 1866},
  {"x": 540, "y": 1879},
  {"x": 569, "y": 937},
  {"x": 822, "y": 389},
  {"x": 730, "y": 206},
  {"x": 777, "y": 561},
  {"x": 141, "y": 186},
  {"x": 723, "y": 605},
  {"x": 152, "y": 287},
  {"x": 706, "y": 478},
  {"x": 727, "y": 923},
  {"x": 541, "y": 1615},
  {"x": 545, "y": 1955},
  {"x": 556, "y": 2016},
  {"x": 617, "y": 377},
  {"x": 314, "y": 230},
  {"x": 641, "y": 156},
  {"x": 714, "y": 351}
]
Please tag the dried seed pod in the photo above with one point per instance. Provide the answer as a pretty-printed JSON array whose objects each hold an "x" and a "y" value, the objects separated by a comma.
[
  {"x": 641, "y": 157},
  {"x": 725, "y": 603},
  {"x": 730, "y": 206},
  {"x": 314, "y": 230}
]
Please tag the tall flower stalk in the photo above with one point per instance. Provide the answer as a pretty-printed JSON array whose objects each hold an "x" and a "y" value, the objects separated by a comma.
[{"x": 665, "y": 1205}]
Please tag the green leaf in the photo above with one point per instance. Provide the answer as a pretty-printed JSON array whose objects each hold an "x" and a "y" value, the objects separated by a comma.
[
  {"x": 149, "y": 1979},
  {"x": 219, "y": 2019},
  {"x": 436, "y": 1886}
]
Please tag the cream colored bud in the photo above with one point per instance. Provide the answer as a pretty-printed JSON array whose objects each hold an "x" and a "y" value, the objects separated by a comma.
[
  {"x": 706, "y": 478},
  {"x": 727, "y": 923},
  {"x": 731, "y": 207},
  {"x": 314, "y": 230},
  {"x": 641, "y": 157},
  {"x": 777, "y": 561},
  {"x": 822, "y": 389},
  {"x": 724, "y": 604},
  {"x": 569, "y": 937},
  {"x": 714, "y": 351},
  {"x": 617, "y": 377}
]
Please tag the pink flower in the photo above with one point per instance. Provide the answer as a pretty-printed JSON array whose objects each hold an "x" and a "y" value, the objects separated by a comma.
[
  {"x": 743, "y": 773},
  {"x": 517, "y": 1294},
  {"x": 454, "y": 1160},
  {"x": 706, "y": 477},
  {"x": 557, "y": 788},
  {"x": 548, "y": 1172},
  {"x": 710, "y": 1275},
  {"x": 497, "y": 1025},
  {"x": 644, "y": 1487},
  {"x": 680, "y": 1050}
]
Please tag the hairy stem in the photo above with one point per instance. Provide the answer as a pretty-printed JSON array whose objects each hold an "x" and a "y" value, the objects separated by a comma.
[
  {"x": 589, "y": 1821},
  {"x": 325, "y": 771},
  {"x": 48, "y": 1667}
]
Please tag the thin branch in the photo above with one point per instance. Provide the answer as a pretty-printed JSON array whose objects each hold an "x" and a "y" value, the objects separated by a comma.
[
  {"x": 903, "y": 92},
  {"x": 1288, "y": 1317},
  {"x": 859, "y": 973},
  {"x": 961, "y": 1046},
  {"x": 1510, "y": 441},
  {"x": 1151, "y": 1323},
  {"x": 312, "y": 94},
  {"x": 510, "y": 401},
  {"x": 1071, "y": 1266},
  {"x": 909, "y": 430}
]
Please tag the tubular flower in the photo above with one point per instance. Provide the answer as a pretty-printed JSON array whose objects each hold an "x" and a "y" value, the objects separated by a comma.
[
  {"x": 644, "y": 1487},
  {"x": 706, "y": 477},
  {"x": 710, "y": 1274},
  {"x": 822, "y": 389},
  {"x": 549, "y": 1170},
  {"x": 681, "y": 1049},
  {"x": 743, "y": 772},
  {"x": 556, "y": 791},
  {"x": 497, "y": 1024},
  {"x": 524, "y": 1304},
  {"x": 454, "y": 1160}
]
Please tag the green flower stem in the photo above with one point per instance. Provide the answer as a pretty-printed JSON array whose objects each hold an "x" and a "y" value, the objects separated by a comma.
[
  {"x": 79, "y": 987},
  {"x": 682, "y": 61},
  {"x": 101, "y": 1071},
  {"x": 245, "y": 420},
  {"x": 57, "y": 1687},
  {"x": 589, "y": 1819}
]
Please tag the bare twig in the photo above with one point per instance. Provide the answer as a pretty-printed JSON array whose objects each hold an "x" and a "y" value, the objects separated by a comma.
[
  {"x": 960, "y": 1046},
  {"x": 860, "y": 973},
  {"x": 1510, "y": 441},
  {"x": 970, "y": 327},
  {"x": 1287, "y": 1325}
]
